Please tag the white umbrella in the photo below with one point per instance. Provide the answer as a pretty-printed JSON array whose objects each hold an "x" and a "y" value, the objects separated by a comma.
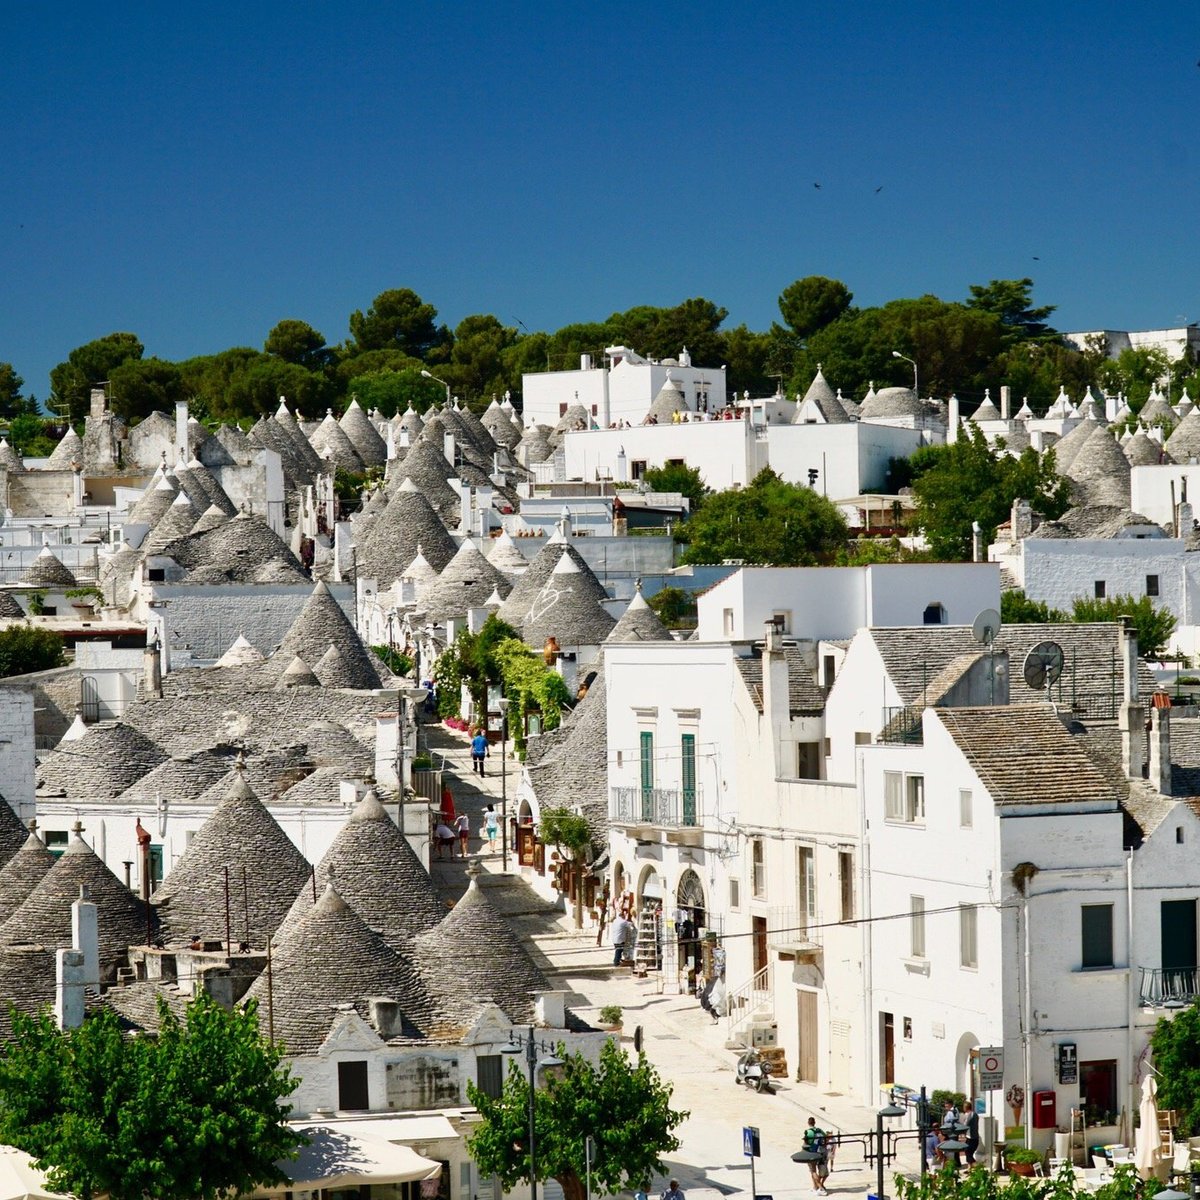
[
  {"x": 1146, "y": 1155},
  {"x": 20, "y": 1179}
]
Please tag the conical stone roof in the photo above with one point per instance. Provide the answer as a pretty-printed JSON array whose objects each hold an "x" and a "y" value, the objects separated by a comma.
[
  {"x": 327, "y": 960},
  {"x": 206, "y": 486},
  {"x": 10, "y": 460},
  {"x": 22, "y": 873},
  {"x": 12, "y": 832},
  {"x": 987, "y": 411},
  {"x": 379, "y": 876},
  {"x": 266, "y": 873},
  {"x": 27, "y": 983},
  {"x": 363, "y": 436},
  {"x": 819, "y": 389},
  {"x": 268, "y": 434},
  {"x": 407, "y": 522},
  {"x": 467, "y": 580},
  {"x": 668, "y": 401},
  {"x": 891, "y": 402},
  {"x": 240, "y": 654},
  {"x": 575, "y": 416},
  {"x": 504, "y": 555},
  {"x": 298, "y": 674},
  {"x": 496, "y": 421},
  {"x": 9, "y": 608},
  {"x": 1071, "y": 443},
  {"x": 1102, "y": 469},
  {"x": 322, "y": 623},
  {"x": 103, "y": 763},
  {"x": 151, "y": 506},
  {"x": 1156, "y": 411},
  {"x": 1142, "y": 451},
  {"x": 420, "y": 573},
  {"x": 333, "y": 671},
  {"x": 568, "y": 608},
  {"x": 177, "y": 522},
  {"x": 535, "y": 445},
  {"x": 296, "y": 437},
  {"x": 412, "y": 421},
  {"x": 66, "y": 453},
  {"x": 639, "y": 623},
  {"x": 331, "y": 444},
  {"x": 45, "y": 916},
  {"x": 515, "y": 608},
  {"x": 1184, "y": 442},
  {"x": 235, "y": 552},
  {"x": 211, "y": 518},
  {"x": 474, "y": 955},
  {"x": 48, "y": 571}
]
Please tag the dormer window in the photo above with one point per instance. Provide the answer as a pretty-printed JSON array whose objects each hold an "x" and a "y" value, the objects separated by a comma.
[{"x": 935, "y": 614}]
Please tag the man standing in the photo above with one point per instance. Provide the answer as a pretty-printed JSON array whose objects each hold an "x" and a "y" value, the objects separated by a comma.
[
  {"x": 622, "y": 936},
  {"x": 816, "y": 1140},
  {"x": 972, "y": 1135},
  {"x": 479, "y": 749},
  {"x": 673, "y": 1192}
]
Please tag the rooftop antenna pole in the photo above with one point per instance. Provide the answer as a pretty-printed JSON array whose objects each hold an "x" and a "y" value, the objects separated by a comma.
[
  {"x": 270, "y": 995},
  {"x": 246, "y": 904},
  {"x": 226, "y": 910}
]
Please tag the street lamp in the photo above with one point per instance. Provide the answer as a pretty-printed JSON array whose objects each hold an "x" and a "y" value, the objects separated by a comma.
[
  {"x": 406, "y": 697},
  {"x": 888, "y": 1110},
  {"x": 526, "y": 1042},
  {"x": 895, "y": 354},
  {"x": 504, "y": 703},
  {"x": 430, "y": 375}
]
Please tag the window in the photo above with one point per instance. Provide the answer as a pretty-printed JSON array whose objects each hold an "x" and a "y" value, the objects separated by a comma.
[
  {"x": 782, "y": 621},
  {"x": 1179, "y": 835},
  {"x": 1097, "y": 936},
  {"x": 828, "y": 671},
  {"x": 156, "y": 866},
  {"x": 735, "y": 894},
  {"x": 916, "y": 923},
  {"x": 727, "y": 621},
  {"x": 935, "y": 614},
  {"x": 687, "y": 776},
  {"x": 56, "y": 841},
  {"x": 846, "y": 883},
  {"x": 1098, "y": 589},
  {"x": 907, "y": 1029},
  {"x": 893, "y": 795},
  {"x": 646, "y": 750},
  {"x": 808, "y": 760},
  {"x": 489, "y": 1074},
  {"x": 968, "y": 931},
  {"x": 806, "y": 886},
  {"x": 1151, "y": 585},
  {"x": 915, "y": 796},
  {"x": 758, "y": 868},
  {"x": 862, "y": 737},
  {"x": 562, "y": 408},
  {"x": 904, "y": 797},
  {"x": 637, "y": 468},
  {"x": 1098, "y": 1090},
  {"x": 352, "y": 1086},
  {"x": 966, "y": 817},
  {"x": 156, "y": 574}
]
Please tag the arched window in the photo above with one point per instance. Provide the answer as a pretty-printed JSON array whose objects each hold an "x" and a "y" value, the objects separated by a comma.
[{"x": 935, "y": 614}]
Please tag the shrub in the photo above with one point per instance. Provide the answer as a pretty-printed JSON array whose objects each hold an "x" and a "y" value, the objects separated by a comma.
[{"x": 24, "y": 648}]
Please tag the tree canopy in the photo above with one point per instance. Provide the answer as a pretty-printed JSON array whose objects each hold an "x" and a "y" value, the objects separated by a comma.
[
  {"x": 677, "y": 477},
  {"x": 769, "y": 522},
  {"x": 1152, "y": 625},
  {"x": 28, "y": 648},
  {"x": 1175, "y": 1044},
  {"x": 812, "y": 303},
  {"x": 193, "y": 1114},
  {"x": 622, "y": 1104}
]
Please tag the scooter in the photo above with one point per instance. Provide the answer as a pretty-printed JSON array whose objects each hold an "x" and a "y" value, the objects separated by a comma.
[{"x": 754, "y": 1071}]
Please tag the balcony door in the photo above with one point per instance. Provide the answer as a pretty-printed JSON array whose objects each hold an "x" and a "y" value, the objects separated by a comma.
[{"x": 1178, "y": 932}]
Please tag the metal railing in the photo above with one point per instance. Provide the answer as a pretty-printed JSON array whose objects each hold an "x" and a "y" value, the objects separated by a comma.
[
  {"x": 902, "y": 726},
  {"x": 1174, "y": 986},
  {"x": 668, "y": 807},
  {"x": 751, "y": 998},
  {"x": 788, "y": 928}
]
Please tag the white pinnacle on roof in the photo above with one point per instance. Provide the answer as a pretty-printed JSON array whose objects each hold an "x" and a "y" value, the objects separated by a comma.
[
  {"x": 1024, "y": 413},
  {"x": 75, "y": 731},
  {"x": 240, "y": 654},
  {"x": 819, "y": 389}
]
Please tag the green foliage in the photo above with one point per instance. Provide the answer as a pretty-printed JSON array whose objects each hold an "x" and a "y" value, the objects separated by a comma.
[
  {"x": 1153, "y": 626},
  {"x": 12, "y": 402},
  {"x": 678, "y": 477},
  {"x": 30, "y": 435},
  {"x": 623, "y": 1105},
  {"x": 939, "y": 1096},
  {"x": 399, "y": 664},
  {"x": 676, "y": 608},
  {"x": 1175, "y": 1044},
  {"x": 87, "y": 365},
  {"x": 399, "y": 320},
  {"x": 865, "y": 552},
  {"x": 812, "y": 303},
  {"x": 1017, "y": 609},
  {"x": 1134, "y": 371},
  {"x": 297, "y": 342},
  {"x": 611, "y": 1014},
  {"x": 394, "y": 391},
  {"x": 530, "y": 686},
  {"x": 965, "y": 482},
  {"x": 140, "y": 386},
  {"x": 567, "y": 830},
  {"x": 472, "y": 659},
  {"x": 1009, "y": 301},
  {"x": 978, "y": 1183},
  {"x": 27, "y": 648},
  {"x": 193, "y": 1114},
  {"x": 771, "y": 522},
  {"x": 85, "y": 593}
]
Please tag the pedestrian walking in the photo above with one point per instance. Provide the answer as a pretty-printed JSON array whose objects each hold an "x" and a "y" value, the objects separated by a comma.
[
  {"x": 491, "y": 827},
  {"x": 623, "y": 934},
  {"x": 463, "y": 825},
  {"x": 972, "y": 1136},
  {"x": 816, "y": 1141},
  {"x": 479, "y": 751}
]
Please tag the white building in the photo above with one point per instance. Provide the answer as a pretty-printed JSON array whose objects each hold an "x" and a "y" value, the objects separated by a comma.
[{"x": 1174, "y": 343}]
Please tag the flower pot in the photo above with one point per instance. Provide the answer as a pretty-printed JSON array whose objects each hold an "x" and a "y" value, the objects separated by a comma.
[
  {"x": 1021, "y": 1168},
  {"x": 1062, "y": 1145}
]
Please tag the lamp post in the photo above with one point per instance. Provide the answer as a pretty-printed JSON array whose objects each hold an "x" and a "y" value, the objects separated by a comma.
[
  {"x": 504, "y": 703},
  {"x": 525, "y": 1042},
  {"x": 405, "y": 698},
  {"x": 888, "y": 1110},
  {"x": 430, "y": 375},
  {"x": 895, "y": 354}
]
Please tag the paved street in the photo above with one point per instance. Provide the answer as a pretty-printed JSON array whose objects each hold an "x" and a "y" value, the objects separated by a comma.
[{"x": 680, "y": 1038}]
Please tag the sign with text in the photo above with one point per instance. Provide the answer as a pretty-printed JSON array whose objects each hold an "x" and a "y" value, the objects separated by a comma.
[
  {"x": 1068, "y": 1063},
  {"x": 991, "y": 1068},
  {"x": 750, "y": 1143}
]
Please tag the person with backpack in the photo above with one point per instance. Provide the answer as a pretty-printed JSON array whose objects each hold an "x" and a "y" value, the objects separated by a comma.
[
  {"x": 623, "y": 933},
  {"x": 816, "y": 1141}
]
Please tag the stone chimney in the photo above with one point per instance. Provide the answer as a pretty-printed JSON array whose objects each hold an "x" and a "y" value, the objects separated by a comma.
[
  {"x": 448, "y": 447},
  {"x": 1160, "y": 750},
  {"x": 550, "y": 1009},
  {"x": 152, "y": 671},
  {"x": 952, "y": 420},
  {"x": 1021, "y": 520},
  {"x": 1132, "y": 717},
  {"x": 776, "y": 705},
  {"x": 181, "y": 432},
  {"x": 99, "y": 402},
  {"x": 85, "y": 936},
  {"x": 387, "y": 740},
  {"x": 69, "y": 977},
  {"x": 976, "y": 542},
  {"x": 1005, "y": 402}
]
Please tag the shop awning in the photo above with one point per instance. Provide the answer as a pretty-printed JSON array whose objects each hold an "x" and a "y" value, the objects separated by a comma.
[
  {"x": 410, "y": 1130},
  {"x": 20, "y": 1179},
  {"x": 336, "y": 1158}
]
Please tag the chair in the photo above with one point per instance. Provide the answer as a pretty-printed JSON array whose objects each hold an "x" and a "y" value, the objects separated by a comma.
[
  {"x": 1182, "y": 1158},
  {"x": 1100, "y": 1163}
]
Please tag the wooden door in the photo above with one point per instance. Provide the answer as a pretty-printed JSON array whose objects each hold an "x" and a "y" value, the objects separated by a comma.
[
  {"x": 806, "y": 1060},
  {"x": 759, "y": 931},
  {"x": 887, "y": 1048}
]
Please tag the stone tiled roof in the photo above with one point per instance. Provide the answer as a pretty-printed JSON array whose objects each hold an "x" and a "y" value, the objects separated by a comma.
[
  {"x": 136, "y": 1004},
  {"x": 1023, "y": 755},
  {"x": 9, "y": 608},
  {"x": 420, "y": 573},
  {"x": 10, "y": 460},
  {"x": 407, "y": 522},
  {"x": 819, "y": 389},
  {"x": 27, "y": 981},
  {"x": 180, "y": 779},
  {"x": 1094, "y": 521},
  {"x": 204, "y": 483},
  {"x": 892, "y": 402},
  {"x": 240, "y": 654},
  {"x": 321, "y": 788},
  {"x": 68, "y": 451},
  {"x": 21, "y": 874},
  {"x": 298, "y": 439},
  {"x": 176, "y": 522},
  {"x": 227, "y": 447},
  {"x": 987, "y": 411},
  {"x": 473, "y": 956},
  {"x": 266, "y": 873},
  {"x": 151, "y": 506},
  {"x": 576, "y": 416},
  {"x": 1143, "y": 451},
  {"x": 235, "y": 552},
  {"x": 322, "y": 623},
  {"x": 496, "y": 421},
  {"x": 1184, "y": 443},
  {"x": 412, "y": 421},
  {"x": 804, "y": 696},
  {"x": 210, "y": 518},
  {"x": 364, "y": 437},
  {"x": 832, "y": 411},
  {"x": 1157, "y": 409},
  {"x": 1070, "y": 444},
  {"x": 329, "y": 959},
  {"x": 48, "y": 571},
  {"x": 639, "y": 623},
  {"x": 535, "y": 445},
  {"x": 298, "y": 674},
  {"x": 568, "y": 607},
  {"x": 110, "y": 757},
  {"x": 45, "y": 916},
  {"x": 332, "y": 444},
  {"x": 515, "y": 608},
  {"x": 503, "y": 554},
  {"x": 467, "y": 581},
  {"x": 1101, "y": 468},
  {"x": 914, "y": 657},
  {"x": 269, "y": 434},
  {"x": 669, "y": 400},
  {"x": 378, "y": 874}
]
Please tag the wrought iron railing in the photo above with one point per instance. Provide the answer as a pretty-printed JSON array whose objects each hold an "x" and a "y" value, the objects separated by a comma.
[
  {"x": 791, "y": 927},
  {"x": 902, "y": 725},
  {"x": 1170, "y": 987},
  {"x": 669, "y": 807}
]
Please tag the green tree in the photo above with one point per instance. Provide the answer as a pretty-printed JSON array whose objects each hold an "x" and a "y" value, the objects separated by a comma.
[
  {"x": 812, "y": 303},
  {"x": 567, "y": 830},
  {"x": 1153, "y": 626},
  {"x": 470, "y": 661},
  {"x": 193, "y": 1114},
  {"x": 255, "y": 387},
  {"x": 1175, "y": 1044},
  {"x": 664, "y": 332},
  {"x": 32, "y": 436},
  {"x": 1009, "y": 300},
  {"x": 770, "y": 522},
  {"x": 677, "y": 477},
  {"x": 1134, "y": 371},
  {"x": 298, "y": 342},
  {"x": 27, "y": 648},
  {"x": 1017, "y": 609},
  {"x": 140, "y": 386},
  {"x": 393, "y": 391},
  {"x": 749, "y": 361},
  {"x": 966, "y": 482},
  {"x": 676, "y": 608},
  {"x": 477, "y": 369},
  {"x": 86, "y": 366},
  {"x": 624, "y": 1106},
  {"x": 12, "y": 402},
  {"x": 399, "y": 320}
]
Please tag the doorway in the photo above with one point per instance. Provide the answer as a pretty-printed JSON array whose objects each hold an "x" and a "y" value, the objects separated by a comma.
[
  {"x": 887, "y": 1047},
  {"x": 806, "y": 1062},
  {"x": 758, "y": 928}
]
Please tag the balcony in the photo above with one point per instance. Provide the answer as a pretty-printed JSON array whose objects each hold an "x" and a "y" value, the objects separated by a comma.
[
  {"x": 673, "y": 810},
  {"x": 790, "y": 933},
  {"x": 902, "y": 726},
  {"x": 1174, "y": 988}
]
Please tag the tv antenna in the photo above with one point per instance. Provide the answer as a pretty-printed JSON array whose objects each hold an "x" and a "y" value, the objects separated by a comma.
[
  {"x": 984, "y": 628},
  {"x": 1043, "y": 666}
]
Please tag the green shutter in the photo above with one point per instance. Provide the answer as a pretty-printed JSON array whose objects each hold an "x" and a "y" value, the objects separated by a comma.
[
  {"x": 687, "y": 755},
  {"x": 647, "y": 750}
]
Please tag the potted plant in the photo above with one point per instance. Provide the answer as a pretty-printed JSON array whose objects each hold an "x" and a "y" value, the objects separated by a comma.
[
  {"x": 1021, "y": 1161},
  {"x": 611, "y": 1017},
  {"x": 84, "y": 599}
]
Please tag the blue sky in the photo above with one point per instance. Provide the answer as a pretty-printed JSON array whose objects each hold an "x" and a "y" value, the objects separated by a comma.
[{"x": 195, "y": 173}]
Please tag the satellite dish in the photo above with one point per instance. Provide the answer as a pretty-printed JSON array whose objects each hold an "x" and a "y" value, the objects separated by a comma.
[
  {"x": 1043, "y": 665},
  {"x": 986, "y": 626}
]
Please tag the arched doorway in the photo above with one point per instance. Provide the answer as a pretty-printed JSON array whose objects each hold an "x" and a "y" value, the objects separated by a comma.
[
  {"x": 650, "y": 897},
  {"x": 965, "y": 1057},
  {"x": 689, "y": 923}
]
